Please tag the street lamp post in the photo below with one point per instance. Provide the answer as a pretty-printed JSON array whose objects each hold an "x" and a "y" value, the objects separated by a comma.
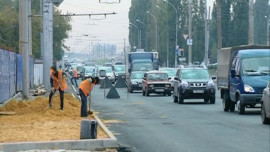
[
  {"x": 267, "y": 30},
  {"x": 139, "y": 41},
  {"x": 145, "y": 32},
  {"x": 176, "y": 24},
  {"x": 156, "y": 27}
]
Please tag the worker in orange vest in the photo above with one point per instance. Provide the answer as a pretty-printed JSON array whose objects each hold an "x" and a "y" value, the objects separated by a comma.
[
  {"x": 75, "y": 77},
  {"x": 58, "y": 82},
  {"x": 85, "y": 89}
]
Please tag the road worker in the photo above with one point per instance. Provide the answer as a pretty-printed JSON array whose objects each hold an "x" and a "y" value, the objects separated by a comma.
[
  {"x": 75, "y": 77},
  {"x": 85, "y": 89},
  {"x": 58, "y": 82}
]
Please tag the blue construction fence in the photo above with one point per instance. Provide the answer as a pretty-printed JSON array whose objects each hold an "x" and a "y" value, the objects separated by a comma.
[{"x": 11, "y": 74}]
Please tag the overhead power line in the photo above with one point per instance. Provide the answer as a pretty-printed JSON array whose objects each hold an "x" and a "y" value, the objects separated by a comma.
[{"x": 90, "y": 14}]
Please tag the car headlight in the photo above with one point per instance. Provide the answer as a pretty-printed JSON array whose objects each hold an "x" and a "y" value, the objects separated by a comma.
[
  {"x": 151, "y": 86},
  {"x": 133, "y": 82},
  {"x": 167, "y": 85},
  {"x": 184, "y": 84},
  {"x": 210, "y": 83},
  {"x": 248, "y": 88}
]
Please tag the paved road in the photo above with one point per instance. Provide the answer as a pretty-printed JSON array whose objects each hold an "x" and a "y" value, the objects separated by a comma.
[{"x": 156, "y": 124}]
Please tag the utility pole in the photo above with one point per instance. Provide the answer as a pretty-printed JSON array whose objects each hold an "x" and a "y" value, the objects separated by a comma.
[
  {"x": 206, "y": 35},
  {"x": 267, "y": 30},
  {"x": 30, "y": 27},
  {"x": 47, "y": 20},
  {"x": 190, "y": 32},
  {"x": 219, "y": 27},
  {"x": 251, "y": 23},
  {"x": 24, "y": 44}
]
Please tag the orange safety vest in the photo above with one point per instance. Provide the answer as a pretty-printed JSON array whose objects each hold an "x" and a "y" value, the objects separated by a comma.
[
  {"x": 87, "y": 86},
  {"x": 75, "y": 73},
  {"x": 59, "y": 82}
]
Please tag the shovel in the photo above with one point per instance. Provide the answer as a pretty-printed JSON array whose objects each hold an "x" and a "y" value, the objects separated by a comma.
[{"x": 89, "y": 103}]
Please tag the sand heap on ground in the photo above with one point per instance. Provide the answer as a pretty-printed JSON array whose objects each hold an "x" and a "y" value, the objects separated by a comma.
[{"x": 35, "y": 121}]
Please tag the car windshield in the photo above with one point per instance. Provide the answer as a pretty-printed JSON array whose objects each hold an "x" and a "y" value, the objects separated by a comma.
[
  {"x": 256, "y": 66},
  {"x": 136, "y": 75},
  {"x": 194, "y": 74},
  {"x": 157, "y": 76},
  {"x": 119, "y": 68},
  {"x": 171, "y": 72},
  {"x": 89, "y": 69},
  {"x": 142, "y": 67},
  {"x": 107, "y": 69}
]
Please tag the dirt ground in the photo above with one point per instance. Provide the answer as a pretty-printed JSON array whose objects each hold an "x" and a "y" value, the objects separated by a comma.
[{"x": 35, "y": 121}]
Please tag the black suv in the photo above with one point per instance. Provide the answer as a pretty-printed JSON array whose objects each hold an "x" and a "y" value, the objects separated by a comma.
[{"x": 193, "y": 82}]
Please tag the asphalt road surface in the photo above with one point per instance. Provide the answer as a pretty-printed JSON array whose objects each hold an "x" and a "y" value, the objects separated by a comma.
[{"x": 156, "y": 124}]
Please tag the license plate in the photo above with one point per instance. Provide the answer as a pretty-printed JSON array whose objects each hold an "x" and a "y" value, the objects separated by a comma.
[
  {"x": 198, "y": 91},
  {"x": 159, "y": 90}
]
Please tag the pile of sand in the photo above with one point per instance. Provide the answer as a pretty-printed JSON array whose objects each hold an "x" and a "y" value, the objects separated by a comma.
[{"x": 35, "y": 121}]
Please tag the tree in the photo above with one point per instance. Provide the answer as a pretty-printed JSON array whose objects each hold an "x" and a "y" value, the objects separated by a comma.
[{"x": 9, "y": 31}]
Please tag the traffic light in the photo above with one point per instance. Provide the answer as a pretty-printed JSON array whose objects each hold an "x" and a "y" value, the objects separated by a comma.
[{"x": 181, "y": 52}]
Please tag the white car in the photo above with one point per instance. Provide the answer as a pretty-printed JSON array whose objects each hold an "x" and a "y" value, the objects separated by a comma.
[{"x": 109, "y": 73}]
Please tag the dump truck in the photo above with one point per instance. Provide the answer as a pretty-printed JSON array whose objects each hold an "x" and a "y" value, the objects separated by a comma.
[{"x": 242, "y": 74}]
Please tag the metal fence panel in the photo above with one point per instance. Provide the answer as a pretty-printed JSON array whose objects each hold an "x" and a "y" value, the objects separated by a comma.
[
  {"x": 19, "y": 72},
  {"x": 38, "y": 74},
  {"x": 12, "y": 74}
]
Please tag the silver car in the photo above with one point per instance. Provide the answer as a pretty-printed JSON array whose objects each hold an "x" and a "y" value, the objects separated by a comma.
[{"x": 265, "y": 111}]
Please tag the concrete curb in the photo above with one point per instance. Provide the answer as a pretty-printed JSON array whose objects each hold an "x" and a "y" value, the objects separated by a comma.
[{"x": 88, "y": 144}]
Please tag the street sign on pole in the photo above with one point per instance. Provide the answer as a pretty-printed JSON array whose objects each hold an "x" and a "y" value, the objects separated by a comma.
[
  {"x": 185, "y": 36},
  {"x": 189, "y": 41},
  {"x": 57, "y": 2}
]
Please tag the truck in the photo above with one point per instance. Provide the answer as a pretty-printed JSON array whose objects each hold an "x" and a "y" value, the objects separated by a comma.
[
  {"x": 141, "y": 61},
  {"x": 242, "y": 74}
]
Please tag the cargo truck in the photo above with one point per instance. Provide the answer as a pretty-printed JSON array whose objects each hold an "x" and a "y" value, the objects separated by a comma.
[{"x": 242, "y": 74}]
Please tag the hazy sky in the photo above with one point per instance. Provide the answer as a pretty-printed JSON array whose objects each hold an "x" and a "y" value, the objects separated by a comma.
[
  {"x": 112, "y": 29},
  {"x": 97, "y": 29}
]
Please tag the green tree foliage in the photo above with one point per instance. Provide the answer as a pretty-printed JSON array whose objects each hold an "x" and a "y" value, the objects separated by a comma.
[
  {"x": 261, "y": 12},
  {"x": 234, "y": 15},
  {"x": 9, "y": 31}
]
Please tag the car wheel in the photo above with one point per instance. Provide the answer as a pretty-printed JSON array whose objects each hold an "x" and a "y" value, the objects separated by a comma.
[
  {"x": 147, "y": 92},
  {"x": 206, "y": 99},
  {"x": 131, "y": 91},
  {"x": 265, "y": 120},
  {"x": 181, "y": 100},
  {"x": 164, "y": 94},
  {"x": 213, "y": 100},
  {"x": 175, "y": 99},
  {"x": 169, "y": 94},
  {"x": 226, "y": 102},
  {"x": 143, "y": 93},
  {"x": 242, "y": 108}
]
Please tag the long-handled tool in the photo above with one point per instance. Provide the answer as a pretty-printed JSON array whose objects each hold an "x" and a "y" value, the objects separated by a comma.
[{"x": 89, "y": 103}]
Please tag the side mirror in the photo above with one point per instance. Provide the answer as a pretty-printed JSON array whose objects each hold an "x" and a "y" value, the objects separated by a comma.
[
  {"x": 176, "y": 78},
  {"x": 233, "y": 73},
  {"x": 214, "y": 77},
  {"x": 169, "y": 78}
]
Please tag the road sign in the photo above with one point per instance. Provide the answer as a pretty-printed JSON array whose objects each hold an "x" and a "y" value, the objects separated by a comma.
[
  {"x": 189, "y": 41},
  {"x": 185, "y": 36},
  {"x": 57, "y": 2}
]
